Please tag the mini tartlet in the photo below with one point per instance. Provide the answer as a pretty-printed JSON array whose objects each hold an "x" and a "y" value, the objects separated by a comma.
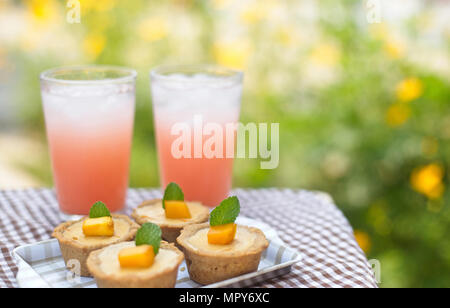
[
  {"x": 153, "y": 211},
  {"x": 161, "y": 271},
  {"x": 208, "y": 263},
  {"x": 219, "y": 252},
  {"x": 75, "y": 245}
]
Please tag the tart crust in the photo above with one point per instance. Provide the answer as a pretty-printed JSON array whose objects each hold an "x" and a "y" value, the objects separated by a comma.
[
  {"x": 74, "y": 250},
  {"x": 206, "y": 267},
  {"x": 170, "y": 231},
  {"x": 163, "y": 279}
]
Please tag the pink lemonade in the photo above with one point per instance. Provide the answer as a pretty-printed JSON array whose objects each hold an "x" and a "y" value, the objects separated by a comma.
[
  {"x": 179, "y": 98},
  {"x": 202, "y": 179},
  {"x": 89, "y": 130},
  {"x": 90, "y": 168}
]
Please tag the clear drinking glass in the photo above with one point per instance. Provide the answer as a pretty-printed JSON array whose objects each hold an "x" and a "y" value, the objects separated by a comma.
[
  {"x": 89, "y": 115},
  {"x": 193, "y": 108}
]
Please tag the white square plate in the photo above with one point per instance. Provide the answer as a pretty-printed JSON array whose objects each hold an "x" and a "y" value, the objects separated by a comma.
[{"x": 42, "y": 266}]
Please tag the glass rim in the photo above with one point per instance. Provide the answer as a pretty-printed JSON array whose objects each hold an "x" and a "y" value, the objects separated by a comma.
[
  {"x": 165, "y": 72},
  {"x": 50, "y": 75}
]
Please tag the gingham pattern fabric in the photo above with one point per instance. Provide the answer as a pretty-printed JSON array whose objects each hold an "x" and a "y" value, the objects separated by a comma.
[{"x": 306, "y": 221}]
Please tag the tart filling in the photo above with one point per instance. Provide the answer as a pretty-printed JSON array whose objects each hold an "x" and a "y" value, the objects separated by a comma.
[
  {"x": 109, "y": 261},
  {"x": 155, "y": 213},
  {"x": 75, "y": 233},
  {"x": 243, "y": 241}
]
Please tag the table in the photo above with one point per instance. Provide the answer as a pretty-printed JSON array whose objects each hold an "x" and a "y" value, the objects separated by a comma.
[{"x": 307, "y": 221}]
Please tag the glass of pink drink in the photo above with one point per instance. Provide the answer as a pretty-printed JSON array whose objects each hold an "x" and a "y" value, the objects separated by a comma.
[
  {"x": 193, "y": 98},
  {"x": 89, "y": 115}
]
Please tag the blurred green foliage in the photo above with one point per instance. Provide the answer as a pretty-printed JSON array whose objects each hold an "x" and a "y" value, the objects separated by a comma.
[{"x": 364, "y": 110}]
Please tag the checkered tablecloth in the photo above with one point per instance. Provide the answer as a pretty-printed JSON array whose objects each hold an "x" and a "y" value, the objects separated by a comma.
[{"x": 308, "y": 222}]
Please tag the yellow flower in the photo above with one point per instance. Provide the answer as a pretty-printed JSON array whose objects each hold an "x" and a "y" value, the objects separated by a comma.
[
  {"x": 42, "y": 11},
  {"x": 409, "y": 89},
  {"x": 232, "y": 54},
  {"x": 427, "y": 180},
  {"x": 94, "y": 44},
  {"x": 326, "y": 54},
  {"x": 363, "y": 240},
  {"x": 153, "y": 29},
  {"x": 394, "y": 49},
  {"x": 397, "y": 114}
]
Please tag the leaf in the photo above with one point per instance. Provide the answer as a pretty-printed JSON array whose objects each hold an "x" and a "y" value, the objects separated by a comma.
[
  {"x": 99, "y": 209},
  {"x": 173, "y": 192},
  {"x": 226, "y": 212},
  {"x": 149, "y": 234}
]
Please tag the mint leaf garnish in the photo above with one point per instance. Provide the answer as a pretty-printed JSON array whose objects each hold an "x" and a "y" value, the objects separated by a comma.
[
  {"x": 99, "y": 209},
  {"x": 149, "y": 234},
  {"x": 226, "y": 212},
  {"x": 173, "y": 192}
]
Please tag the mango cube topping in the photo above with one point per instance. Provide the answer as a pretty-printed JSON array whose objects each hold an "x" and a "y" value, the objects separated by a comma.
[
  {"x": 176, "y": 209},
  {"x": 222, "y": 234},
  {"x": 101, "y": 226},
  {"x": 141, "y": 256}
]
